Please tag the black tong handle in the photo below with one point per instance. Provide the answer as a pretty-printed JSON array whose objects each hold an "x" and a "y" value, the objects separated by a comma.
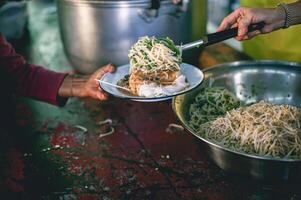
[{"x": 230, "y": 33}]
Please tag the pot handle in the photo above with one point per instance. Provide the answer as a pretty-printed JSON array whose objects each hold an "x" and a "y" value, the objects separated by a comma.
[
  {"x": 155, "y": 4},
  {"x": 150, "y": 14},
  {"x": 183, "y": 6}
]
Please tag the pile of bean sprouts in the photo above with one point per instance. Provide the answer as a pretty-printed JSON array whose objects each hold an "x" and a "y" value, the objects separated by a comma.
[
  {"x": 262, "y": 128},
  {"x": 151, "y": 55},
  {"x": 209, "y": 104}
]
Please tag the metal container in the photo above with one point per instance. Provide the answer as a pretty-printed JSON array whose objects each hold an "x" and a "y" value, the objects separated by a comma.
[
  {"x": 272, "y": 81},
  {"x": 96, "y": 32}
]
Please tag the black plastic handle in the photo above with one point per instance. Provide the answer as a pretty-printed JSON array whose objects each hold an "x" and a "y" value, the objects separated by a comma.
[{"x": 230, "y": 33}]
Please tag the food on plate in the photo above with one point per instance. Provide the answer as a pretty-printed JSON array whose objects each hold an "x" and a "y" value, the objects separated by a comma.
[
  {"x": 154, "y": 68},
  {"x": 262, "y": 129}
]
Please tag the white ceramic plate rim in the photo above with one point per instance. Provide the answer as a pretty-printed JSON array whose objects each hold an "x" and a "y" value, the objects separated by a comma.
[{"x": 152, "y": 99}]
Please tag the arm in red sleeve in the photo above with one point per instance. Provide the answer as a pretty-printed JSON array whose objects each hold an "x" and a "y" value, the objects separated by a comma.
[{"x": 29, "y": 80}]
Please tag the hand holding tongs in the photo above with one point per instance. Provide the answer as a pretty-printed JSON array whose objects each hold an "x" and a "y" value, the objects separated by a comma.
[{"x": 220, "y": 36}]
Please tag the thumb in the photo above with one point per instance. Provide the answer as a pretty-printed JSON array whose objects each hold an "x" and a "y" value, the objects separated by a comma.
[{"x": 103, "y": 70}]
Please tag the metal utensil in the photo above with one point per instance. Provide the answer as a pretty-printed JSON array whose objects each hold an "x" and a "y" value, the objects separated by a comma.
[
  {"x": 113, "y": 85},
  {"x": 214, "y": 38},
  {"x": 250, "y": 81}
]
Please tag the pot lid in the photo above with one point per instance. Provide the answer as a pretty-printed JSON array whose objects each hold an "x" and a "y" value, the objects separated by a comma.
[{"x": 122, "y": 3}]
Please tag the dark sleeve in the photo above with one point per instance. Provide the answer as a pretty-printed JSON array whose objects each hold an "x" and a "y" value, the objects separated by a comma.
[{"x": 29, "y": 80}]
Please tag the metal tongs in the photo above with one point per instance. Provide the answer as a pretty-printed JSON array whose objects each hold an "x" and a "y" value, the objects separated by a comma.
[{"x": 214, "y": 38}]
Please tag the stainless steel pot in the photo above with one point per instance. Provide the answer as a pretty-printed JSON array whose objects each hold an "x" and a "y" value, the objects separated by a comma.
[
  {"x": 96, "y": 32},
  {"x": 276, "y": 82}
]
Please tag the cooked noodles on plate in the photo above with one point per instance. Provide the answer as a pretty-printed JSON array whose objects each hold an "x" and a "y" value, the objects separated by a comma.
[{"x": 155, "y": 72}]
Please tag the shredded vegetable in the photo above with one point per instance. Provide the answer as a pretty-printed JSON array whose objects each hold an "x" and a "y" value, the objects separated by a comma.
[
  {"x": 262, "y": 129},
  {"x": 151, "y": 55},
  {"x": 211, "y": 103}
]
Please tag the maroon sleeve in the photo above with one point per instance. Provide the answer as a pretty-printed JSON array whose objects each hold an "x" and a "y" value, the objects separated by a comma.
[{"x": 29, "y": 80}]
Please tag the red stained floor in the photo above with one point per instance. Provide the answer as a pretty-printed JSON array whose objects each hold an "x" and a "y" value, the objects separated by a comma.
[{"x": 140, "y": 160}]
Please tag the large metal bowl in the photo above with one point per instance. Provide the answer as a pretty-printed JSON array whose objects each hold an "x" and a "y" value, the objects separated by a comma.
[{"x": 272, "y": 81}]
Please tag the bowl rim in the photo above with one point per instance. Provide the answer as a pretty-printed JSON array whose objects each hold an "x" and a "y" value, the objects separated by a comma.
[
  {"x": 253, "y": 62},
  {"x": 210, "y": 143}
]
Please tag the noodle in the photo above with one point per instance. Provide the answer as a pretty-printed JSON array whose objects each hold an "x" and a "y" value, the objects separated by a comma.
[
  {"x": 150, "y": 55},
  {"x": 262, "y": 129},
  {"x": 209, "y": 104},
  {"x": 154, "y": 68}
]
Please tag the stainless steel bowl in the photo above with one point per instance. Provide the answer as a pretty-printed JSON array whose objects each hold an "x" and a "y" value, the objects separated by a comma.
[{"x": 250, "y": 81}]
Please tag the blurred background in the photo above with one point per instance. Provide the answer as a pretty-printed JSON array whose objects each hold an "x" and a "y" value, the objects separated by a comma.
[
  {"x": 33, "y": 27},
  {"x": 83, "y": 35}
]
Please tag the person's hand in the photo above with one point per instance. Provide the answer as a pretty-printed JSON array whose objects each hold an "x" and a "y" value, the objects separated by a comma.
[
  {"x": 176, "y": 1},
  {"x": 91, "y": 87},
  {"x": 242, "y": 17},
  {"x": 85, "y": 86}
]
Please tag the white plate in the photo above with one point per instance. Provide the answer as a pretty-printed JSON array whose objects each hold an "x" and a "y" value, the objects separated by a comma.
[{"x": 193, "y": 75}]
